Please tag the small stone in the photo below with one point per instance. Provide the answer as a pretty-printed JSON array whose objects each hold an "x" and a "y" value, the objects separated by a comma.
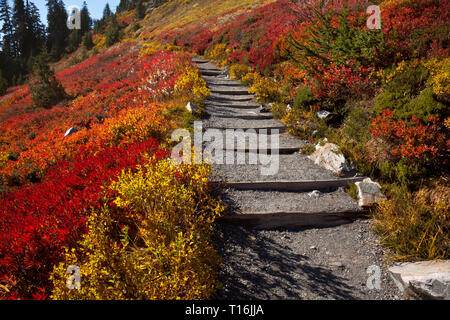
[
  {"x": 70, "y": 132},
  {"x": 192, "y": 108},
  {"x": 323, "y": 114},
  {"x": 315, "y": 194},
  {"x": 313, "y": 248}
]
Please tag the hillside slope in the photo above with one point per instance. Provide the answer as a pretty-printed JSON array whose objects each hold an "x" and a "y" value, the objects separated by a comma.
[{"x": 89, "y": 181}]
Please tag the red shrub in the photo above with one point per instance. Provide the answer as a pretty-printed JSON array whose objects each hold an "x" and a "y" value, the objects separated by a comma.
[
  {"x": 37, "y": 221},
  {"x": 412, "y": 140}
]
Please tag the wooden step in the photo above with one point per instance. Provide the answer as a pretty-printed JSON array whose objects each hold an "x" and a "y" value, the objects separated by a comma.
[
  {"x": 259, "y": 116},
  {"x": 233, "y": 104},
  {"x": 229, "y": 90},
  {"x": 210, "y": 72},
  {"x": 269, "y": 220},
  {"x": 199, "y": 60},
  {"x": 280, "y": 128},
  {"x": 214, "y": 81},
  {"x": 227, "y": 97},
  {"x": 285, "y": 185}
]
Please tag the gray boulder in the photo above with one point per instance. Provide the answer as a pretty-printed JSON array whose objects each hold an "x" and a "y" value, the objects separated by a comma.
[
  {"x": 369, "y": 192},
  {"x": 329, "y": 157},
  {"x": 424, "y": 279}
]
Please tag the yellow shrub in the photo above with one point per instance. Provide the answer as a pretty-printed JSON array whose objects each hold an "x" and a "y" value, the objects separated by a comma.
[
  {"x": 192, "y": 86},
  {"x": 172, "y": 47},
  {"x": 3, "y": 158},
  {"x": 440, "y": 75},
  {"x": 265, "y": 89},
  {"x": 100, "y": 41},
  {"x": 416, "y": 227},
  {"x": 218, "y": 52},
  {"x": 139, "y": 124},
  {"x": 239, "y": 71},
  {"x": 163, "y": 251},
  {"x": 149, "y": 49}
]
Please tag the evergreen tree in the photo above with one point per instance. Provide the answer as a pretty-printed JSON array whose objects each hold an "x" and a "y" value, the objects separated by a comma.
[
  {"x": 112, "y": 34},
  {"x": 107, "y": 13},
  {"x": 86, "y": 21},
  {"x": 57, "y": 30},
  {"x": 35, "y": 30},
  {"x": 87, "y": 41},
  {"x": 8, "y": 43},
  {"x": 20, "y": 27},
  {"x": 123, "y": 6},
  {"x": 140, "y": 11},
  {"x": 3, "y": 84}
]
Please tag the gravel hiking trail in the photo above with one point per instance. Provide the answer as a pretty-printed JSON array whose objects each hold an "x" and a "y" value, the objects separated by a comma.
[{"x": 278, "y": 239}]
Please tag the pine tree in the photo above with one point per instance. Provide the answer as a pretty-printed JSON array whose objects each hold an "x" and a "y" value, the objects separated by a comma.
[
  {"x": 9, "y": 47},
  {"x": 123, "y": 6},
  {"x": 107, "y": 13},
  {"x": 20, "y": 26},
  {"x": 112, "y": 34},
  {"x": 35, "y": 31},
  {"x": 3, "y": 84},
  {"x": 87, "y": 41},
  {"x": 86, "y": 21},
  {"x": 140, "y": 11},
  {"x": 57, "y": 30}
]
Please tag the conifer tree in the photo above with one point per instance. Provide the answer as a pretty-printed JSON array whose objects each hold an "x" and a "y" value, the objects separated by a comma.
[
  {"x": 140, "y": 11},
  {"x": 57, "y": 30},
  {"x": 112, "y": 34},
  {"x": 8, "y": 43}
]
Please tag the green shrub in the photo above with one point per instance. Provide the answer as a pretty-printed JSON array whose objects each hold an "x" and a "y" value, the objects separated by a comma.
[
  {"x": 47, "y": 90},
  {"x": 304, "y": 98},
  {"x": 408, "y": 94}
]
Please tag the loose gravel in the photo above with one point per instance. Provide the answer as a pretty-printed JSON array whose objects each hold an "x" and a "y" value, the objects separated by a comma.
[
  {"x": 292, "y": 167},
  {"x": 276, "y": 201},
  {"x": 301, "y": 264}
]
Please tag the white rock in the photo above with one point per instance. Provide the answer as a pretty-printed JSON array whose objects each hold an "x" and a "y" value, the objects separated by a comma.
[
  {"x": 192, "y": 108},
  {"x": 323, "y": 114},
  {"x": 70, "y": 132},
  {"x": 369, "y": 192},
  {"x": 314, "y": 194},
  {"x": 425, "y": 279},
  {"x": 328, "y": 156}
]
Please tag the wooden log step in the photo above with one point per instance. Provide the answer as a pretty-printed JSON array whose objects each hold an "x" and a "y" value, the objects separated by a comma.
[
  {"x": 214, "y": 81},
  {"x": 293, "y": 185},
  {"x": 199, "y": 60},
  {"x": 229, "y": 90},
  {"x": 229, "y": 97},
  {"x": 210, "y": 72},
  {"x": 268, "y": 220},
  {"x": 233, "y": 104},
  {"x": 280, "y": 128}
]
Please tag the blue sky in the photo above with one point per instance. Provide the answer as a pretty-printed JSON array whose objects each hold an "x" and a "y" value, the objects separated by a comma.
[{"x": 95, "y": 7}]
